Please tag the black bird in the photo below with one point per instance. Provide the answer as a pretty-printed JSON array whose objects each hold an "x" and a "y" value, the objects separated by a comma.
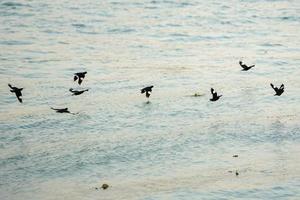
[
  {"x": 215, "y": 96},
  {"x": 104, "y": 186},
  {"x": 245, "y": 67},
  {"x": 148, "y": 90},
  {"x": 236, "y": 173},
  {"x": 278, "y": 91},
  {"x": 17, "y": 91},
  {"x": 61, "y": 110},
  {"x": 77, "y": 92},
  {"x": 80, "y": 76}
]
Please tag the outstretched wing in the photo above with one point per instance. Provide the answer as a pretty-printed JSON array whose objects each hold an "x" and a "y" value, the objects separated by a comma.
[
  {"x": 275, "y": 88},
  {"x": 79, "y": 81},
  {"x": 19, "y": 98},
  {"x": 243, "y": 65},
  {"x": 282, "y": 87},
  {"x": 10, "y": 86},
  {"x": 150, "y": 88},
  {"x": 212, "y": 91},
  {"x": 75, "y": 77}
]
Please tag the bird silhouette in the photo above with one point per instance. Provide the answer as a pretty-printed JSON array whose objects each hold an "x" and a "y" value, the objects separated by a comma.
[
  {"x": 147, "y": 90},
  {"x": 215, "y": 96},
  {"x": 62, "y": 110},
  {"x": 278, "y": 91},
  {"x": 245, "y": 67},
  {"x": 17, "y": 91},
  {"x": 80, "y": 76},
  {"x": 77, "y": 92}
]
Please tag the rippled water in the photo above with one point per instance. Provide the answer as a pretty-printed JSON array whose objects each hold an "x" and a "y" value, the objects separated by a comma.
[{"x": 177, "y": 146}]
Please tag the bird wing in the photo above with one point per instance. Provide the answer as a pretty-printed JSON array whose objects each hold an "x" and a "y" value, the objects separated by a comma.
[
  {"x": 252, "y": 66},
  {"x": 212, "y": 91},
  {"x": 150, "y": 88},
  {"x": 243, "y": 65},
  {"x": 275, "y": 88},
  {"x": 282, "y": 86},
  {"x": 10, "y": 86},
  {"x": 19, "y": 98},
  {"x": 75, "y": 77},
  {"x": 71, "y": 90},
  {"x": 79, "y": 81},
  {"x": 148, "y": 93}
]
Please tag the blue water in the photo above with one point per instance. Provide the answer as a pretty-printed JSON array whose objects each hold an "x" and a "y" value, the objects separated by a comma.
[{"x": 177, "y": 146}]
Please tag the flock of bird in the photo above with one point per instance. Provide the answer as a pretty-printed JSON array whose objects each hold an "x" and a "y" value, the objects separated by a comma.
[
  {"x": 79, "y": 76},
  {"x": 147, "y": 90}
]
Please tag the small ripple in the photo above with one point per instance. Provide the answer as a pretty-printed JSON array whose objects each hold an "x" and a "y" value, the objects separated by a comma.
[
  {"x": 121, "y": 30},
  {"x": 13, "y": 4},
  {"x": 290, "y": 18},
  {"x": 79, "y": 25},
  {"x": 15, "y": 42},
  {"x": 271, "y": 45}
]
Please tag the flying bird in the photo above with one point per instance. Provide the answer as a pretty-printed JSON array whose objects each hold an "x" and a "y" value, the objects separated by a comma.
[
  {"x": 17, "y": 91},
  {"x": 80, "y": 76},
  {"x": 245, "y": 67},
  {"x": 77, "y": 92},
  {"x": 62, "y": 110},
  {"x": 278, "y": 91},
  {"x": 215, "y": 96},
  {"x": 147, "y": 90}
]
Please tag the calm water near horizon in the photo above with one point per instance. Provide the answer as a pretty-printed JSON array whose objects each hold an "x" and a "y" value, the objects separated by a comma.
[{"x": 177, "y": 146}]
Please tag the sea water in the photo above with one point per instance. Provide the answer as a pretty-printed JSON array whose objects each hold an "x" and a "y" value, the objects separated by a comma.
[{"x": 176, "y": 146}]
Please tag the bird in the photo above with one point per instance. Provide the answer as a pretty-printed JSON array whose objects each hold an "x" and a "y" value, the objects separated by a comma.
[
  {"x": 77, "y": 92},
  {"x": 215, "y": 96},
  {"x": 278, "y": 91},
  {"x": 245, "y": 67},
  {"x": 235, "y": 156},
  {"x": 236, "y": 173},
  {"x": 105, "y": 186},
  {"x": 80, "y": 76},
  {"x": 62, "y": 110},
  {"x": 148, "y": 90},
  {"x": 17, "y": 91}
]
